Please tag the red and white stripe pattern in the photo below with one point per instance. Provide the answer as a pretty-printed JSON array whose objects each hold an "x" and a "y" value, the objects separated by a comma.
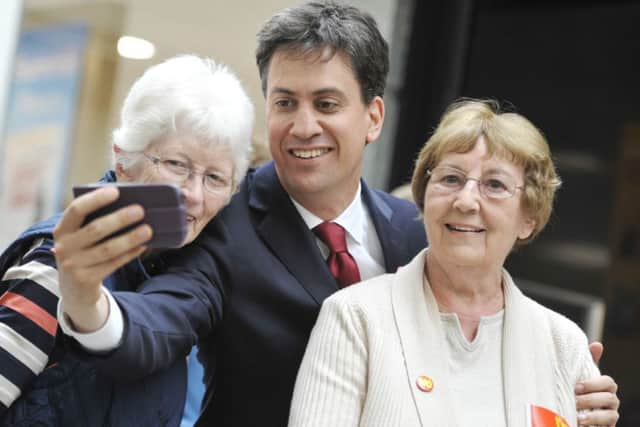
[{"x": 28, "y": 324}]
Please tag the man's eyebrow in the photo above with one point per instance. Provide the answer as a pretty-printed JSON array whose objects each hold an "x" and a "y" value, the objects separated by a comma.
[
  {"x": 317, "y": 92},
  {"x": 282, "y": 90},
  {"x": 328, "y": 91}
]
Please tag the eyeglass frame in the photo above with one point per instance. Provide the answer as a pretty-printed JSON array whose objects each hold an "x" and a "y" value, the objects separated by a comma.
[
  {"x": 159, "y": 161},
  {"x": 482, "y": 189}
]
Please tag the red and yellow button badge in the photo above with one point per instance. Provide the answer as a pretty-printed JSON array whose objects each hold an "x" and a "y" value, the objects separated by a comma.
[{"x": 424, "y": 383}]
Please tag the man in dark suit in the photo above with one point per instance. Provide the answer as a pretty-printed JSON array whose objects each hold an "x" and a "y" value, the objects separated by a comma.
[{"x": 249, "y": 290}]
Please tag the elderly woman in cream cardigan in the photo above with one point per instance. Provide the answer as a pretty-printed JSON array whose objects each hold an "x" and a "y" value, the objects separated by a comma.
[{"x": 449, "y": 339}]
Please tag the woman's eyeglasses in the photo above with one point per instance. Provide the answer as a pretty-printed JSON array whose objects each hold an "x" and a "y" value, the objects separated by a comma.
[
  {"x": 449, "y": 180},
  {"x": 179, "y": 172}
]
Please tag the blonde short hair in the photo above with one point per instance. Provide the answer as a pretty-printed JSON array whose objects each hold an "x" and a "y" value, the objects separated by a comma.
[{"x": 507, "y": 135}]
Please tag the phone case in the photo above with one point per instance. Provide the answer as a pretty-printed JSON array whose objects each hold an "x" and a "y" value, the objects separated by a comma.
[{"x": 163, "y": 205}]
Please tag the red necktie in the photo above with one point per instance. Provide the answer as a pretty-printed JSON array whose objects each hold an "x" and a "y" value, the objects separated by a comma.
[{"x": 341, "y": 264}]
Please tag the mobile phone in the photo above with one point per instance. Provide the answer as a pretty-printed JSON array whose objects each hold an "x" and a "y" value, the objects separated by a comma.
[{"x": 163, "y": 205}]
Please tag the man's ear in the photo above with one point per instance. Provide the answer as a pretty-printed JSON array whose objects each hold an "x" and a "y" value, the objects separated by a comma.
[{"x": 376, "y": 118}]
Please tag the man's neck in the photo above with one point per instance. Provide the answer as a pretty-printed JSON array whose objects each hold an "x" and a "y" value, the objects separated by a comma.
[{"x": 326, "y": 207}]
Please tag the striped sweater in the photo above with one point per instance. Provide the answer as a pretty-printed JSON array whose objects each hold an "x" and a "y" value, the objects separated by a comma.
[{"x": 28, "y": 322}]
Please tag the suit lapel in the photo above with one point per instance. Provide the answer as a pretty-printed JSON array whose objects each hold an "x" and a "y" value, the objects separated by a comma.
[
  {"x": 422, "y": 339},
  {"x": 388, "y": 234},
  {"x": 285, "y": 233}
]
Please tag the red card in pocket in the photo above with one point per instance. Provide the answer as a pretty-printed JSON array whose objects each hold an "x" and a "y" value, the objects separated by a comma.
[{"x": 543, "y": 417}]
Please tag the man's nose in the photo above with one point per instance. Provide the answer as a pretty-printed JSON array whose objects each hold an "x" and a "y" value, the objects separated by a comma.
[{"x": 305, "y": 124}]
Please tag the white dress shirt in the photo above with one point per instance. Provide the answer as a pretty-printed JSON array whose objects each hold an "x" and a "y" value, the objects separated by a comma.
[
  {"x": 104, "y": 339},
  {"x": 362, "y": 239}
]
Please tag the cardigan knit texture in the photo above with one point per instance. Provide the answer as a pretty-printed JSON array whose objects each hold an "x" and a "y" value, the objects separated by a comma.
[{"x": 374, "y": 340}]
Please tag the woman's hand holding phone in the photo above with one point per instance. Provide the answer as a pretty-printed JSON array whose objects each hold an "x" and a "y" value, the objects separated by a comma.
[{"x": 84, "y": 258}]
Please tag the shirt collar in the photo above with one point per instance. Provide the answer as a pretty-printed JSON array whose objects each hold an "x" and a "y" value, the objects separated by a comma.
[{"x": 351, "y": 219}]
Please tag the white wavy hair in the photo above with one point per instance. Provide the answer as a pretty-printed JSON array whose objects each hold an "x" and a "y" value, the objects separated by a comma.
[{"x": 189, "y": 95}]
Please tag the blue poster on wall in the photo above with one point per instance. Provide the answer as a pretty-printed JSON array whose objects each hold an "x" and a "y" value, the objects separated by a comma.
[{"x": 40, "y": 125}]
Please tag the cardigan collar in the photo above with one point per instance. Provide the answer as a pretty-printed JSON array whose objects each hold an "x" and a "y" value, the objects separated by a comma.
[{"x": 528, "y": 373}]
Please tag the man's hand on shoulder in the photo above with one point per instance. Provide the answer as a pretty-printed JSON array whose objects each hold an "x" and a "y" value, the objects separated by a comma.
[{"x": 598, "y": 395}]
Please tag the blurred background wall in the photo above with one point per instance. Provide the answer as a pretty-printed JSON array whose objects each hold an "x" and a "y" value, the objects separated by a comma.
[{"x": 571, "y": 66}]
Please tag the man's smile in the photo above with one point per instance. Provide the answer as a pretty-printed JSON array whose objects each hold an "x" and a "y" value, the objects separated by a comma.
[{"x": 309, "y": 153}]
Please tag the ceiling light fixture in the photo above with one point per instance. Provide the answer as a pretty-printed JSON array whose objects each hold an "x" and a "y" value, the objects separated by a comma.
[{"x": 135, "y": 48}]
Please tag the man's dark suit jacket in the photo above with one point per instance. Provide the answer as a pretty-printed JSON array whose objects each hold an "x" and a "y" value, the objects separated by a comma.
[{"x": 248, "y": 291}]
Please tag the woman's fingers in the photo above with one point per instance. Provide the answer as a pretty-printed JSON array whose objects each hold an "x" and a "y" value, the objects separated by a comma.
[
  {"x": 70, "y": 236},
  {"x": 97, "y": 230},
  {"x": 82, "y": 206},
  {"x": 113, "y": 248},
  {"x": 113, "y": 264},
  {"x": 94, "y": 233}
]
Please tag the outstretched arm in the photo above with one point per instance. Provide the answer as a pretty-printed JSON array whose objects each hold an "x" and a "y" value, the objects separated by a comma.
[
  {"x": 598, "y": 395},
  {"x": 147, "y": 330}
]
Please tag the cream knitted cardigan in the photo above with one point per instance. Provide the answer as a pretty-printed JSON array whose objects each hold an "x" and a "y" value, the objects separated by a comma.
[{"x": 373, "y": 341}]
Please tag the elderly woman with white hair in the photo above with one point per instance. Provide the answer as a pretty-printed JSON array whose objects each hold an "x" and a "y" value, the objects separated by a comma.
[{"x": 186, "y": 121}]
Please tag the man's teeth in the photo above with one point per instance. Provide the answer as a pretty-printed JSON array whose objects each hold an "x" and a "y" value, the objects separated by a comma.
[
  {"x": 466, "y": 229},
  {"x": 309, "y": 154}
]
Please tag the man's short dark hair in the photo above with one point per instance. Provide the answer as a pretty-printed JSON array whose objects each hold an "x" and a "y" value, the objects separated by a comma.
[{"x": 312, "y": 27}]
